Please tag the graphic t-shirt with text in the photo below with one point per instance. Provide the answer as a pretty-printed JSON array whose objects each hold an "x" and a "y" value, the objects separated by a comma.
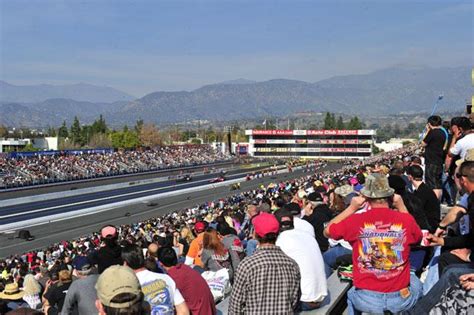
[
  {"x": 381, "y": 240},
  {"x": 160, "y": 292}
]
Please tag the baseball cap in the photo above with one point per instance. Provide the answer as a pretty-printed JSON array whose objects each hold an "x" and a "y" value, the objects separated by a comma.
[
  {"x": 315, "y": 197},
  {"x": 81, "y": 263},
  {"x": 265, "y": 223},
  {"x": 116, "y": 280},
  {"x": 285, "y": 218},
  {"x": 108, "y": 231},
  {"x": 199, "y": 227},
  {"x": 293, "y": 208}
]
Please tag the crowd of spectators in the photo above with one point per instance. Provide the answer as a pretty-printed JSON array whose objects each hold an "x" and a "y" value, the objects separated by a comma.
[
  {"x": 377, "y": 223},
  {"x": 38, "y": 169}
]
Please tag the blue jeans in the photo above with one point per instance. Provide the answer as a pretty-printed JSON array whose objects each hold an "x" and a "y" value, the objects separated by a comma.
[
  {"x": 367, "y": 301},
  {"x": 449, "y": 189},
  {"x": 416, "y": 259},
  {"x": 433, "y": 275},
  {"x": 331, "y": 255},
  {"x": 449, "y": 278}
]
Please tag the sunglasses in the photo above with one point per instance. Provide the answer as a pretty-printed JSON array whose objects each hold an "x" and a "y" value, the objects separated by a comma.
[{"x": 459, "y": 175}]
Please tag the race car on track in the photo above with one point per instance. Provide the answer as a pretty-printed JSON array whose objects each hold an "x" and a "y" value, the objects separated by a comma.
[
  {"x": 218, "y": 179},
  {"x": 184, "y": 178}
]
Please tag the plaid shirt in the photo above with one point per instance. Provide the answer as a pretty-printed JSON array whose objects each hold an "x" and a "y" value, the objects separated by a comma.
[{"x": 268, "y": 282}]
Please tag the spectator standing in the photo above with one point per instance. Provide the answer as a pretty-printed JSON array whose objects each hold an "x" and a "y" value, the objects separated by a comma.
[
  {"x": 268, "y": 282},
  {"x": 193, "y": 287},
  {"x": 435, "y": 143},
  {"x": 109, "y": 254},
  {"x": 463, "y": 140},
  {"x": 381, "y": 238},
  {"x": 304, "y": 249}
]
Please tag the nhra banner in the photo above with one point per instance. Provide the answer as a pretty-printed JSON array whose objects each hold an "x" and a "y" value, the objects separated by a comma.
[{"x": 309, "y": 132}]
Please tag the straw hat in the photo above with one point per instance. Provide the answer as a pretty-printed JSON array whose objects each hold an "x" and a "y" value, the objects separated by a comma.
[{"x": 11, "y": 292}]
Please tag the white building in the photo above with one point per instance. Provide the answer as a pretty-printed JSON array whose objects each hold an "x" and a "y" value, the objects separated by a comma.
[
  {"x": 392, "y": 144},
  {"x": 10, "y": 144}
]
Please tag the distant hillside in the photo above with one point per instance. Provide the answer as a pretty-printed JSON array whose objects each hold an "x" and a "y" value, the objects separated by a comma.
[
  {"x": 389, "y": 91},
  {"x": 53, "y": 112},
  {"x": 79, "y": 92}
]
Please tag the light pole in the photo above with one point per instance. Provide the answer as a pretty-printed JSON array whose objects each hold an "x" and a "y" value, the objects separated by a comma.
[{"x": 433, "y": 110}]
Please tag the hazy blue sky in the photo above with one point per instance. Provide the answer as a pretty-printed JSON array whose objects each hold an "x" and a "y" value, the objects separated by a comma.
[{"x": 142, "y": 46}]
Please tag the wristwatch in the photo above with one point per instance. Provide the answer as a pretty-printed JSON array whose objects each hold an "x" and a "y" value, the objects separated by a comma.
[{"x": 442, "y": 227}]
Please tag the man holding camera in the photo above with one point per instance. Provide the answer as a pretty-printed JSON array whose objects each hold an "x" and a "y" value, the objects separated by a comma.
[{"x": 381, "y": 239}]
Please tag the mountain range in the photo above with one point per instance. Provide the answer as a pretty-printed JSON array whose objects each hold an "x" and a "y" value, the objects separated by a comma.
[
  {"x": 80, "y": 92},
  {"x": 388, "y": 91}
]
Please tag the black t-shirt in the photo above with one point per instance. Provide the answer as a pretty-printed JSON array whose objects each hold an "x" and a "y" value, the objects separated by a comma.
[
  {"x": 434, "y": 150},
  {"x": 430, "y": 205},
  {"x": 185, "y": 246},
  {"x": 56, "y": 295},
  {"x": 321, "y": 214}
]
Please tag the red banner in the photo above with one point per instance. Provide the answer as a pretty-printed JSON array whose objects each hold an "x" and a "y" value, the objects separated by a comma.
[
  {"x": 302, "y": 132},
  {"x": 272, "y": 132}
]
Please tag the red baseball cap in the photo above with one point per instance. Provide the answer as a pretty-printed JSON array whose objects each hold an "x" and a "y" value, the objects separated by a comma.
[
  {"x": 108, "y": 231},
  {"x": 265, "y": 223},
  {"x": 199, "y": 227}
]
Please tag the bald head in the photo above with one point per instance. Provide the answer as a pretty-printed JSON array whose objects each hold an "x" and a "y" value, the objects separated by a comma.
[{"x": 153, "y": 250}]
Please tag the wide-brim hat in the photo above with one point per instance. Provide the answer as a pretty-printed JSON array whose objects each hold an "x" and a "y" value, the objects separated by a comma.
[
  {"x": 11, "y": 292},
  {"x": 344, "y": 190},
  {"x": 376, "y": 186}
]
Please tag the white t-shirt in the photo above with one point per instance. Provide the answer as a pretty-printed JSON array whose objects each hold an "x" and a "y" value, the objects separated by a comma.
[
  {"x": 304, "y": 249},
  {"x": 303, "y": 225},
  {"x": 160, "y": 292},
  {"x": 463, "y": 145}
]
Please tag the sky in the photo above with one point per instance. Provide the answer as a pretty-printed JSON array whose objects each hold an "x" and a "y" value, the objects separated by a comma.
[{"x": 143, "y": 46}]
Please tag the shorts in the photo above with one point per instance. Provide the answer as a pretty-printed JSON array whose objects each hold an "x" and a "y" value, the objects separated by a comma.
[{"x": 433, "y": 174}]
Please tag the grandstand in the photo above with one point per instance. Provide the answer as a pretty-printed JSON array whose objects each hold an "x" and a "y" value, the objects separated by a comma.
[{"x": 328, "y": 144}]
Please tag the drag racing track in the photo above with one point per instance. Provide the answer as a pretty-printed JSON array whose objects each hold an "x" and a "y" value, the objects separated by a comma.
[{"x": 70, "y": 228}]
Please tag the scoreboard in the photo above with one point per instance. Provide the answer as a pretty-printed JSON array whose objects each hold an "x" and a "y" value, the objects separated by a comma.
[{"x": 311, "y": 143}]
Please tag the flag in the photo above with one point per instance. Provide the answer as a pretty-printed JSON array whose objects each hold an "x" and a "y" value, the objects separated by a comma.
[{"x": 264, "y": 122}]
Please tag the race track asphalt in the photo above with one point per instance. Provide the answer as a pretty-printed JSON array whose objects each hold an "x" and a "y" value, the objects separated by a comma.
[
  {"x": 101, "y": 181},
  {"x": 25, "y": 211},
  {"x": 49, "y": 233}
]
